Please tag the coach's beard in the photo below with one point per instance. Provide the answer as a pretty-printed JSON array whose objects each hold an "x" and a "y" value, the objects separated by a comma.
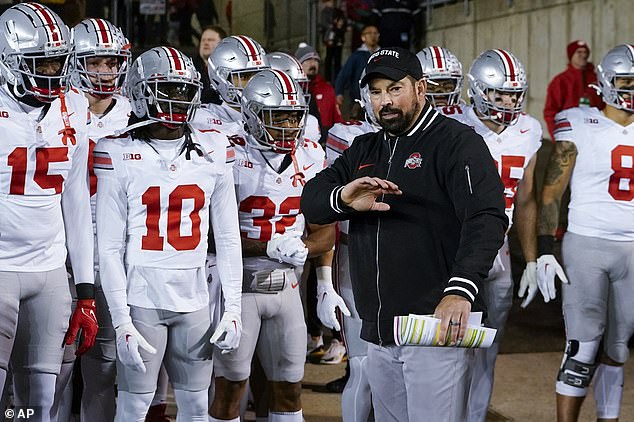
[{"x": 394, "y": 121}]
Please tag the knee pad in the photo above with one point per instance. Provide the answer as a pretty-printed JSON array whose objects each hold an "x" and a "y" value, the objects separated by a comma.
[{"x": 577, "y": 368}]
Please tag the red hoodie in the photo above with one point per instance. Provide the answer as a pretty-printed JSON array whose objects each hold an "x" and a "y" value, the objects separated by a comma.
[
  {"x": 324, "y": 94},
  {"x": 565, "y": 90}
]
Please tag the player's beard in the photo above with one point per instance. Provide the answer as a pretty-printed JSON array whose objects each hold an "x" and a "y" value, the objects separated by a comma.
[{"x": 402, "y": 121}]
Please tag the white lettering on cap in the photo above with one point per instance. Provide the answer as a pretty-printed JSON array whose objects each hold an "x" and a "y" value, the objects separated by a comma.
[{"x": 384, "y": 53}]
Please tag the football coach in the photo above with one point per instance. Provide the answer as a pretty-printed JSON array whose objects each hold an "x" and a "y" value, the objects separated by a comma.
[{"x": 426, "y": 211}]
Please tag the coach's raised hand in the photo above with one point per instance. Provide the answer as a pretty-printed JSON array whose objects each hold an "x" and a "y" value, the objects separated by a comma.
[{"x": 362, "y": 194}]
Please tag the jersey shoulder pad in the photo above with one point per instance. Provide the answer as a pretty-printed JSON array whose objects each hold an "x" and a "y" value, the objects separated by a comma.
[
  {"x": 565, "y": 123},
  {"x": 107, "y": 151},
  {"x": 313, "y": 149},
  {"x": 216, "y": 143}
]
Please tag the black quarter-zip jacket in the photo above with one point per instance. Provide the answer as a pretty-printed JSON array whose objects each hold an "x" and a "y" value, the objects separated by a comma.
[{"x": 439, "y": 237}]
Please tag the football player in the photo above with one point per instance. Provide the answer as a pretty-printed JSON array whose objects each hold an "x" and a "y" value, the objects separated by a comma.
[
  {"x": 231, "y": 65},
  {"x": 289, "y": 64},
  {"x": 443, "y": 72},
  {"x": 100, "y": 63},
  {"x": 159, "y": 189},
  {"x": 594, "y": 153},
  {"x": 270, "y": 172},
  {"x": 498, "y": 91},
  {"x": 45, "y": 205}
]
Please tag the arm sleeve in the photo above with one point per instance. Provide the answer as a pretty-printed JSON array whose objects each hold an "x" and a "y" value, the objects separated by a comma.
[
  {"x": 78, "y": 216},
  {"x": 112, "y": 211},
  {"x": 226, "y": 230},
  {"x": 320, "y": 201},
  {"x": 477, "y": 193}
]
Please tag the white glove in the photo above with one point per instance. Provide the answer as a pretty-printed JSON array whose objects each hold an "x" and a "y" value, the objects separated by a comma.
[
  {"x": 231, "y": 325},
  {"x": 289, "y": 248},
  {"x": 328, "y": 300},
  {"x": 528, "y": 283},
  {"x": 128, "y": 342},
  {"x": 547, "y": 268}
]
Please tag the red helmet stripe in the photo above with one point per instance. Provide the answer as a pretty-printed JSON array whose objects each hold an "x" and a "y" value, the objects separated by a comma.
[
  {"x": 176, "y": 60},
  {"x": 438, "y": 57},
  {"x": 509, "y": 63},
  {"x": 287, "y": 84},
  {"x": 103, "y": 31},
  {"x": 252, "y": 50},
  {"x": 52, "y": 29}
]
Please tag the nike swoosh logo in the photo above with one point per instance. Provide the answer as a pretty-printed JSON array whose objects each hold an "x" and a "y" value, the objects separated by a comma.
[
  {"x": 362, "y": 166},
  {"x": 524, "y": 130},
  {"x": 294, "y": 285},
  {"x": 309, "y": 166}
]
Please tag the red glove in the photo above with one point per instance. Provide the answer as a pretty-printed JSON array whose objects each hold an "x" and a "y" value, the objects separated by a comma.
[{"x": 85, "y": 318}]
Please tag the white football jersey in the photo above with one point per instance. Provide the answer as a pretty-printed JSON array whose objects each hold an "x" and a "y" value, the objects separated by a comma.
[
  {"x": 44, "y": 183},
  {"x": 602, "y": 183},
  {"x": 340, "y": 138},
  {"x": 512, "y": 149},
  {"x": 154, "y": 205},
  {"x": 268, "y": 201},
  {"x": 312, "y": 131},
  {"x": 101, "y": 126}
]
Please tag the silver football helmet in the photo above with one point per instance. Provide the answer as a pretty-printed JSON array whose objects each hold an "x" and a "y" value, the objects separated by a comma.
[
  {"x": 292, "y": 67},
  {"x": 274, "y": 111},
  {"x": 164, "y": 86},
  {"x": 99, "y": 38},
  {"x": 232, "y": 63},
  {"x": 34, "y": 51},
  {"x": 617, "y": 63},
  {"x": 366, "y": 103},
  {"x": 440, "y": 65},
  {"x": 493, "y": 74}
]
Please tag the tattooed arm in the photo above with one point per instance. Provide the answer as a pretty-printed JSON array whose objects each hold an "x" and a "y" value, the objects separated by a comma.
[{"x": 558, "y": 173}]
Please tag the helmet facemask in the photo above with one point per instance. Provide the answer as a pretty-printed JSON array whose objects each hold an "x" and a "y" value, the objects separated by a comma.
[
  {"x": 101, "y": 83},
  {"x": 43, "y": 76},
  {"x": 618, "y": 90},
  {"x": 444, "y": 91},
  {"x": 492, "y": 105},
  {"x": 277, "y": 129},
  {"x": 172, "y": 103}
]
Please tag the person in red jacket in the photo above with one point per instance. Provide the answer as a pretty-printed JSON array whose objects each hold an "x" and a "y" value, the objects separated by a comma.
[
  {"x": 321, "y": 90},
  {"x": 571, "y": 88}
]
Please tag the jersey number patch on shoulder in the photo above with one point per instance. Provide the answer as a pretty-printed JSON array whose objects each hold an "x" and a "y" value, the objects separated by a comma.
[
  {"x": 289, "y": 208},
  {"x": 623, "y": 173},
  {"x": 153, "y": 241},
  {"x": 18, "y": 160}
]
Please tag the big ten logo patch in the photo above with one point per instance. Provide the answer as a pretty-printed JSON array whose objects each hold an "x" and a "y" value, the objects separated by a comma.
[
  {"x": 4, "y": 114},
  {"x": 131, "y": 156},
  {"x": 245, "y": 163}
]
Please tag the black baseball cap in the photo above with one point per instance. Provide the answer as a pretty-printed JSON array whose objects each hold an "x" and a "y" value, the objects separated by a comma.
[{"x": 393, "y": 63}]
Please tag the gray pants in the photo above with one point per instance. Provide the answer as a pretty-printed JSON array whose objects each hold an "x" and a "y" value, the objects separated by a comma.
[
  {"x": 34, "y": 314},
  {"x": 599, "y": 300},
  {"x": 414, "y": 384},
  {"x": 352, "y": 324},
  {"x": 182, "y": 344},
  {"x": 274, "y": 323},
  {"x": 497, "y": 292}
]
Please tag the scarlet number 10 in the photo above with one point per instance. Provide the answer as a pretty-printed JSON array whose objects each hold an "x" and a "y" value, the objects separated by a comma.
[{"x": 153, "y": 241}]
